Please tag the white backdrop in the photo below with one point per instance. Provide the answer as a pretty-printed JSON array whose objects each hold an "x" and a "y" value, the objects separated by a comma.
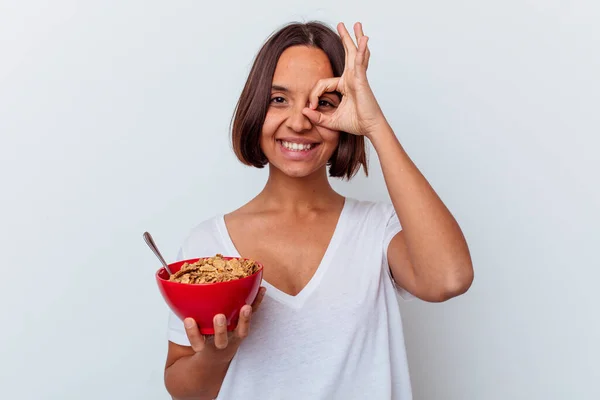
[{"x": 114, "y": 120}]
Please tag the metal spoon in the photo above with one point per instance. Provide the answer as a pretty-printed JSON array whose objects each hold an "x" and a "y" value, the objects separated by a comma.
[{"x": 152, "y": 245}]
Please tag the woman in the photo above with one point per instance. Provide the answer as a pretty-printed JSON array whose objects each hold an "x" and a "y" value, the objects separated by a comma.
[{"x": 329, "y": 326}]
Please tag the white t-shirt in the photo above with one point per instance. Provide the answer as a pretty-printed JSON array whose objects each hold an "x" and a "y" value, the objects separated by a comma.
[{"x": 341, "y": 337}]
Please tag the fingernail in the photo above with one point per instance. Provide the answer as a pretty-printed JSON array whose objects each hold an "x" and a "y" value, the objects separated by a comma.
[
  {"x": 220, "y": 321},
  {"x": 188, "y": 323},
  {"x": 246, "y": 312}
]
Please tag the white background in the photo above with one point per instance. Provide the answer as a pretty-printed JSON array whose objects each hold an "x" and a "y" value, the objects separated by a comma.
[{"x": 114, "y": 120}]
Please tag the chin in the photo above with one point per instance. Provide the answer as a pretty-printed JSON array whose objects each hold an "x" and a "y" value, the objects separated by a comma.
[{"x": 296, "y": 171}]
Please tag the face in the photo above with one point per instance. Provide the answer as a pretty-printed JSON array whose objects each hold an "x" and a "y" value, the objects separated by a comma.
[{"x": 289, "y": 140}]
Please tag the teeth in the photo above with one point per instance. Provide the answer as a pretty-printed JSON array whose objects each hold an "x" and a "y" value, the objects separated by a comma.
[{"x": 296, "y": 146}]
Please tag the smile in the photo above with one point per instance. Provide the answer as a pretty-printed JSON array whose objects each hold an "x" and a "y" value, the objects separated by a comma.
[{"x": 298, "y": 146}]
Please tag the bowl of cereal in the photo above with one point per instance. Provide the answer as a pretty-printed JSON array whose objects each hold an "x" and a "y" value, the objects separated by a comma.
[{"x": 201, "y": 288}]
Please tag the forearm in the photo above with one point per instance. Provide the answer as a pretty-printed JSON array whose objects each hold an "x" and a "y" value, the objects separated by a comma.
[
  {"x": 195, "y": 378},
  {"x": 438, "y": 251}
]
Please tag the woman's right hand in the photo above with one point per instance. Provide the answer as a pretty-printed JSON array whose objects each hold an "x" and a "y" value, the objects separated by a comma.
[{"x": 223, "y": 344}]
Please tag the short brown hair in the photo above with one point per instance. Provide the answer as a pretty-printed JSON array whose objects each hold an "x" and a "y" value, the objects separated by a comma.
[{"x": 251, "y": 109}]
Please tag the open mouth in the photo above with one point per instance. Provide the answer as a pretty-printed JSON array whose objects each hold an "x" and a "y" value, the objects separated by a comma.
[{"x": 299, "y": 147}]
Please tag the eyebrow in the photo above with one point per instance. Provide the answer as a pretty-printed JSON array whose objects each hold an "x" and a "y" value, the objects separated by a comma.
[{"x": 280, "y": 88}]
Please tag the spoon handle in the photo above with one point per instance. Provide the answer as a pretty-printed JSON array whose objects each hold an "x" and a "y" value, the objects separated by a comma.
[{"x": 152, "y": 245}]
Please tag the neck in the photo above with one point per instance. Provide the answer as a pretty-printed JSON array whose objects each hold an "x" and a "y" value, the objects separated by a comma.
[{"x": 310, "y": 192}]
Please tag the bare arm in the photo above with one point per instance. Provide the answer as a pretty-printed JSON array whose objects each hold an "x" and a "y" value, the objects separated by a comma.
[
  {"x": 429, "y": 257},
  {"x": 192, "y": 376}
]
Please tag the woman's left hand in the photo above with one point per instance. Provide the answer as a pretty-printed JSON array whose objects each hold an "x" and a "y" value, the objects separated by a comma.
[{"x": 358, "y": 112}]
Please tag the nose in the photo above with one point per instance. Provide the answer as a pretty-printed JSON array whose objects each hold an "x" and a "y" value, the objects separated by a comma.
[{"x": 297, "y": 121}]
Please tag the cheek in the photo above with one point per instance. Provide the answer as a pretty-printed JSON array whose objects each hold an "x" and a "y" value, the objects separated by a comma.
[
  {"x": 270, "y": 126},
  {"x": 330, "y": 138}
]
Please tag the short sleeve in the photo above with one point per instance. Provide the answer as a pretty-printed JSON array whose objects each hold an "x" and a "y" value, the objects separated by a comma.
[
  {"x": 175, "y": 329},
  {"x": 392, "y": 228}
]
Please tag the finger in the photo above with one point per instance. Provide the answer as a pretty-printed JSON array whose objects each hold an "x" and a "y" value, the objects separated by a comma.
[
  {"x": 193, "y": 333},
  {"x": 318, "y": 118},
  {"x": 322, "y": 86},
  {"x": 349, "y": 45},
  {"x": 243, "y": 325},
  {"x": 358, "y": 31},
  {"x": 346, "y": 51},
  {"x": 220, "y": 326},
  {"x": 346, "y": 38},
  {"x": 259, "y": 298},
  {"x": 361, "y": 55}
]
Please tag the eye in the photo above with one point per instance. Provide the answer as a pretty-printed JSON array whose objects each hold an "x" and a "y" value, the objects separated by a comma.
[
  {"x": 278, "y": 100},
  {"x": 325, "y": 103}
]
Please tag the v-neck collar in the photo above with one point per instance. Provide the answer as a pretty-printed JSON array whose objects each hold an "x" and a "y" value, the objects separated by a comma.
[{"x": 298, "y": 300}]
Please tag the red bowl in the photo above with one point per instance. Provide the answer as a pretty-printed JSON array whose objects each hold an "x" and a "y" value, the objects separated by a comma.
[{"x": 205, "y": 300}]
